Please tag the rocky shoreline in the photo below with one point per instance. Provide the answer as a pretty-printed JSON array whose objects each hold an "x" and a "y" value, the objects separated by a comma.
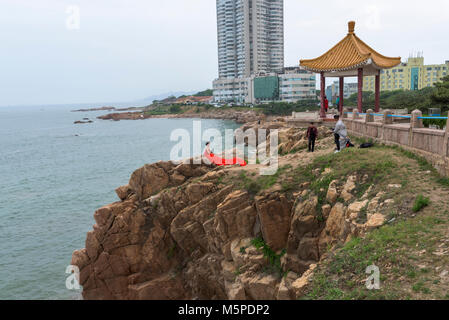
[
  {"x": 237, "y": 116},
  {"x": 106, "y": 108},
  {"x": 184, "y": 231}
]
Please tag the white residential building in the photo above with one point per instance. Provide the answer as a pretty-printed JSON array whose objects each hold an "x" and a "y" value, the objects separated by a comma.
[
  {"x": 297, "y": 84},
  {"x": 250, "y": 39},
  {"x": 234, "y": 90}
]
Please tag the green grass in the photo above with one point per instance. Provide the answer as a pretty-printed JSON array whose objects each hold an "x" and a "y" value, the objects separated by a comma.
[
  {"x": 420, "y": 203},
  {"x": 256, "y": 185},
  {"x": 360, "y": 162},
  {"x": 388, "y": 245}
]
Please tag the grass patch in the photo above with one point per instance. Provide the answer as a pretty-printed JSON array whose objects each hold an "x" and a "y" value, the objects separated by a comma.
[
  {"x": 256, "y": 185},
  {"x": 368, "y": 165},
  {"x": 341, "y": 275},
  {"x": 420, "y": 203}
]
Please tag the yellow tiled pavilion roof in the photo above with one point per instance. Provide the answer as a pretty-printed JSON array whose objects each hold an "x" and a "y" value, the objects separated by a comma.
[{"x": 349, "y": 53}]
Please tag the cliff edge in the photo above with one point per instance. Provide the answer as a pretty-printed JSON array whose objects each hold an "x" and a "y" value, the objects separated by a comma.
[{"x": 183, "y": 231}]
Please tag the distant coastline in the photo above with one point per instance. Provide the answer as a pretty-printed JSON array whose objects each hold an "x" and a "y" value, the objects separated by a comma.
[
  {"x": 237, "y": 115},
  {"x": 106, "y": 108}
]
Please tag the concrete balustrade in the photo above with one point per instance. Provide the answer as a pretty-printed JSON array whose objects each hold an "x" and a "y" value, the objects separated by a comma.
[
  {"x": 432, "y": 144},
  {"x": 447, "y": 125},
  {"x": 415, "y": 122},
  {"x": 369, "y": 116},
  {"x": 446, "y": 138},
  {"x": 387, "y": 119}
]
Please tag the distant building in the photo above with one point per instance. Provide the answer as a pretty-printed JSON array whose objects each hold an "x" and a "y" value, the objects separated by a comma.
[
  {"x": 333, "y": 91},
  {"x": 297, "y": 84},
  {"x": 412, "y": 75},
  {"x": 250, "y": 37},
  {"x": 250, "y": 44},
  {"x": 266, "y": 88},
  {"x": 292, "y": 85},
  {"x": 234, "y": 90}
]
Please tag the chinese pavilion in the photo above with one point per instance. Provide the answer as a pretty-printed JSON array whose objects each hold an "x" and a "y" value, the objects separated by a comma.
[{"x": 351, "y": 57}]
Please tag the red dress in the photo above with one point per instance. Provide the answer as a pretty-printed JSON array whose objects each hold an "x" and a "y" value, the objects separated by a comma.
[{"x": 224, "y": 162}]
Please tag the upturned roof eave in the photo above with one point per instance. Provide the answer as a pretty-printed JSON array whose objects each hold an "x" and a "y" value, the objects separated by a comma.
[
  {"x": 365, "y": 63},
  {"x": 359, "y": 54},
  {"x": 351, "y": 67}
]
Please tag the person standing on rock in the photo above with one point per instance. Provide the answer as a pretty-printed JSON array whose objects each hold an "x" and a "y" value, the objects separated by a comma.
[
  {"x": 312, "y": 133},
  {"x": 339, "y": 132}
]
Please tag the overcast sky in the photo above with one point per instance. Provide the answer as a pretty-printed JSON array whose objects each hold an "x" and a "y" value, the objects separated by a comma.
[{"x": 126, "y": 50}]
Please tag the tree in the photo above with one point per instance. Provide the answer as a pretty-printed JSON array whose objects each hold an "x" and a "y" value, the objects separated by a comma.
[
  {"x": 397, "y": 99},
  {"x": 175, "y": 109},
  {"x": 441, "y": 94},
  {"x": 205, "y": 93}
]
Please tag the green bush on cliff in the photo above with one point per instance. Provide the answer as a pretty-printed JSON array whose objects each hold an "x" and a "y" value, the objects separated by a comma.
[{"x": 273, "y": 258}]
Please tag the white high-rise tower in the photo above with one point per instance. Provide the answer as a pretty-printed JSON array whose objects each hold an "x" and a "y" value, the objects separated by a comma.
[{"x": 250, "y": 37}]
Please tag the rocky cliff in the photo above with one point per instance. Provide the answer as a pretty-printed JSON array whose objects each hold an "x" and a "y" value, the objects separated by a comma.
[{"x": 184, "y": 231}]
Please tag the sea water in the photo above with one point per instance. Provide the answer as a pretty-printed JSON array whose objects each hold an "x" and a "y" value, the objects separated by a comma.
[{"x": 53, "y": 175}]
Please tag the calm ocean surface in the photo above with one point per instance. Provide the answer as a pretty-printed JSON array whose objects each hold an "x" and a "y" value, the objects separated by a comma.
[{"x": 53, "y": 176}]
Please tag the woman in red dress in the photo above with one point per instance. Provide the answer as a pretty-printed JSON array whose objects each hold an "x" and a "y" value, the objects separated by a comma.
[{"x": 221, "y": 161}]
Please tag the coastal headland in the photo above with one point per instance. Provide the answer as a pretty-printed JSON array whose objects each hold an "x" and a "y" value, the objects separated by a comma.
[
  {"x": 239, "y": 116},
  {"x": 311, "y": 230}
]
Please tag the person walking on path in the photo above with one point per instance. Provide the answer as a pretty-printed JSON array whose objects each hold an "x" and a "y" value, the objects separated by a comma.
[
  {"x": 339, "y": 132},
  {"x": 326, "y": 104},
  {"x": 312, "y": 133}
]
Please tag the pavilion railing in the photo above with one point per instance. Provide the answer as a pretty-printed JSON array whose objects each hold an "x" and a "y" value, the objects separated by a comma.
[
  {"x": 431, "y": 143},
  {"x": 400, "y": 116}
]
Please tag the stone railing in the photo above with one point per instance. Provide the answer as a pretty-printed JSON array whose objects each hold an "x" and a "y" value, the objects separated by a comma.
[
  {"x": 432, "y": 144},
  {"x": 306, "y": 115}
]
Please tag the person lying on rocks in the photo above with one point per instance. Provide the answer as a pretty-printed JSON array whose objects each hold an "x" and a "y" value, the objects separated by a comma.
[{"x": 209, "y": 155}]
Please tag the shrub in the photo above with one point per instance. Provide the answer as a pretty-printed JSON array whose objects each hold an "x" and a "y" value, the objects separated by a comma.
[
  {"x": 273, "y": 258},
  {"x": 175, "y": 109},
  {"x": 420, "y": 203}
]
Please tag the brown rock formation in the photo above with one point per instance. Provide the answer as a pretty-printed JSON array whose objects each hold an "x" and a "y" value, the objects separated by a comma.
[{"x": 179, "y": 233}]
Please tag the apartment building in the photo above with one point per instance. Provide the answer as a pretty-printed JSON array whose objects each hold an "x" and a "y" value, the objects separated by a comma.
[
  {"x": 250, "y": 42},
  {"x": 412, "y": 75},
  {"x": 297, "y": 84},
  {"x": 292, "y": 85},
  {"x": 234, "y": 90},
  {"x": 333, "y": 91}
]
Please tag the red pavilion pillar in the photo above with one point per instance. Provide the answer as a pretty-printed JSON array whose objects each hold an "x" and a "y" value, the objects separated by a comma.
[
  {"x": 342, "y": 85},
  {"x": 360, "y": 90},
  {"x": 377, "y": 93},
  {"x": 323, "y": 89}
]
